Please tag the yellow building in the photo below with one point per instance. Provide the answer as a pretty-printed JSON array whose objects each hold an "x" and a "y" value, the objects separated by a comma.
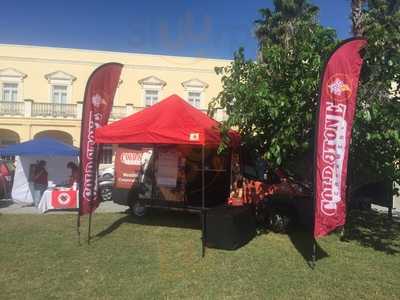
[{"x": 42, "y": 88}]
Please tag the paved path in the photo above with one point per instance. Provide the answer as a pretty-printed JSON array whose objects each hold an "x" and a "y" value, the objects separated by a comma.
[{"x": 8, "y": 207}]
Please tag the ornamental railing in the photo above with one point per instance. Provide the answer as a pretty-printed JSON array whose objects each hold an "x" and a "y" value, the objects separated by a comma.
[
  {"x": 31, "y": 109},
  {"x": 118, "y": 112},
  {"x": 12, "y": 108},
  {"x": 54, "y": 110}
]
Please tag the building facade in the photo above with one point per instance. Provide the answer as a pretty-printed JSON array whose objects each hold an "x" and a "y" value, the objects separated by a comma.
[{"x": 42, "y": 88}]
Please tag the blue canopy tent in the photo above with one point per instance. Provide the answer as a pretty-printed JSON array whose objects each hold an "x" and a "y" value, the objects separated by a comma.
[
  {"x": 55, "y": 153},
  {"x": 40, "y": 147}
]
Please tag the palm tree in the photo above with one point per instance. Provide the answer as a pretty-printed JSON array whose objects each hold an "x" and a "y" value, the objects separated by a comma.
[
  {"x": 279, "y": 26},
  {"x": 357, "y": 17}
]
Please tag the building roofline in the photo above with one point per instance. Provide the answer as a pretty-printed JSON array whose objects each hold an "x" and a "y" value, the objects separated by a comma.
[{"x": 115, "y": 52}]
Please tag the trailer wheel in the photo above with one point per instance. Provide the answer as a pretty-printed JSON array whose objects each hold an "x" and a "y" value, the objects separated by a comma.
[
  {"x": 106, "y": 193},
  {"x": 138, "y": 209},
  {"x": 279, "y": 221},
  {"x": 364, "y": 203}
]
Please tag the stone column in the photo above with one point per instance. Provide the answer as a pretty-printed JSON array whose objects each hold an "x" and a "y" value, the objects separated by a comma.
[
  {"x": 129, "y": 109},
  {"x": 28, "y": 108},
  {"x": 79, "y": 109}
]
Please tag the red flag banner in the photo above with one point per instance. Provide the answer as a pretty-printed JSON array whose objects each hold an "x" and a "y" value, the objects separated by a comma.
[
  {"x": 333, "y": 132},
  {"x": 97, "y": 105}
]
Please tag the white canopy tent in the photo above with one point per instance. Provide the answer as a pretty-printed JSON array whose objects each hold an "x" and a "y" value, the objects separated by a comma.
[
  {"x": 55, "y": 153},
  {"x": 56, "y": 167}
]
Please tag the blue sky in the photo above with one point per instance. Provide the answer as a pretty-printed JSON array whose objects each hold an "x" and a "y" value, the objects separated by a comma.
[{"x": 176, "y": 27}]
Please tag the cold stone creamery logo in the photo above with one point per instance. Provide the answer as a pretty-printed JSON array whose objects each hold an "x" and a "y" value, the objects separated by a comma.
[
  {"x": 131, "y": 158},
  {"x": 339, "y": 87},
  {"x": 333, "y": 150},
  {"x": 99, "y": 105},
  {"x": 63, "y": 198}
]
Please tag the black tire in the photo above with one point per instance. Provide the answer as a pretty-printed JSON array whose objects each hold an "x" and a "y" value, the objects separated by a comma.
[
  {"x": 279, "y": 221},
  {"x": 138, "y": 209},
  {"x": 3, "y": 190},
  {"x": 364, "y": 204},
  {"x": 107, "y": 176},
  {"x": 261, "y": 215},
  {"x": 106, "y": 193}
]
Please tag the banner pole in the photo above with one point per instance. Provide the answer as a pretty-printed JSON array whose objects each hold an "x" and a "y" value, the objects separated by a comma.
[
  {"x": 90, "y": 228},
  {"x": 97, "y": 149},
  {"x": 203, "y": 221},
  {"x": 78, "y": 228},
  {"x": 314, "y": 254}
]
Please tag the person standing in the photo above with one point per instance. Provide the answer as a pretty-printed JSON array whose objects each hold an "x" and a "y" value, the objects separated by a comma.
[
  {"x": 74, "y": 177},
  {"x": 40, "y": 180}
]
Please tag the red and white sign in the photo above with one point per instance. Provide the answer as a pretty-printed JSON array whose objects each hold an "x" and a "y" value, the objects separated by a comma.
[
  {"x": 64, "y": 199},
  {"x": 128, "y": 164},
  {"x": 335, "y": 121},
  {"x": 98, "y": 101}
]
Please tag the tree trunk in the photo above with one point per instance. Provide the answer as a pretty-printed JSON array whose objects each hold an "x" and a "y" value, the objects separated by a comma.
[{"x": 356, "y": 17}]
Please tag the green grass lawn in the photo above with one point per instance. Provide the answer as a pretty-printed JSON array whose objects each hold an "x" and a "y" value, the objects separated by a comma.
[{"x": 160, "y": 257}]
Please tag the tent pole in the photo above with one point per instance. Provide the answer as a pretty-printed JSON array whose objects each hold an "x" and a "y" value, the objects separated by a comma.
[
  {"x": 78, "y": 228},
  {"x": 95, "y": 188},
  {"x": 90, "y": 228},
  {"x": 203, "y": 219},
  {"x": 78, "y": 221},
  {"x": 314, "y": 253}
]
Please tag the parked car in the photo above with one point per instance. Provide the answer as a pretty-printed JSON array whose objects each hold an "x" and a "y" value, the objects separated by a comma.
[
  {"x": 106, "y": 173},
  {"x": 106, "y": 183},
  {"x": 279, "y": 200},
  {"x": 6, "y": 178}
]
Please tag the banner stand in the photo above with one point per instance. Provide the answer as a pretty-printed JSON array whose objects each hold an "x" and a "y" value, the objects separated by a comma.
[
  {"x": 203, "y": 214},
  {"x": 97, "y": 105},
  {"x": 314, "y": 254},
  {"x": 78, "y": 229},
  {"x": 334, "y": 122},
  {"x": 335, "y": 113},
  {"x": 97, "y": 149},
  {"x": 90, "y": 228}
]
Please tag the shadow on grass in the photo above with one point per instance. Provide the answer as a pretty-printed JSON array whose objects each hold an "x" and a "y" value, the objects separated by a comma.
[
  {"x": 374, "y": 230},
  {"x": 303, "y": 242},
  {"x": 156, "y": 218},
  {"x": 5, "y": 203}
]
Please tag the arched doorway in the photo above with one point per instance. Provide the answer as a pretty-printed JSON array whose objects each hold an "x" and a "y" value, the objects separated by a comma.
[
  {"x": 57, "y": 135},
  {"x": 8, "y": 137}
]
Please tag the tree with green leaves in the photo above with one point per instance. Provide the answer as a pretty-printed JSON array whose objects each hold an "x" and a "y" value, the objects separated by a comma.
[
  {"x": 273, "y": 102},
  {"x": 375, "y": 149}
]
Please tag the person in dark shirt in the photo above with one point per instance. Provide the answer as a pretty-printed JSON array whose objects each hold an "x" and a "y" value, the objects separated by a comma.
[
  {"x": 40, "y": 180},
  {"x": 74, "y": 177}
]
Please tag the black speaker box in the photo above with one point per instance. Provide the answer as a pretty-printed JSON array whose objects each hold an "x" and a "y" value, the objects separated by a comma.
[{"x": 229, "y": 228}]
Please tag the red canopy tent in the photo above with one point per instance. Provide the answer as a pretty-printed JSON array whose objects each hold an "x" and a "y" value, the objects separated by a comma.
[{"x": 171, "y": 121}]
